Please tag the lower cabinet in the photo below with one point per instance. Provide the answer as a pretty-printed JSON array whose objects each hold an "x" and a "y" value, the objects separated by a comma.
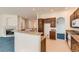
[
  {"x": 6, "y": 44},
  {"x": 74, "y": 45},
  {"x": 43, "y": 45},
  {"x": 53, "y": 35},
  {"x": 72, "y": 42}
]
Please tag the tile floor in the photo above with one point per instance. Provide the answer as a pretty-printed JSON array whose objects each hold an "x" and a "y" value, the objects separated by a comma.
[{"x": 57, "y": 46}]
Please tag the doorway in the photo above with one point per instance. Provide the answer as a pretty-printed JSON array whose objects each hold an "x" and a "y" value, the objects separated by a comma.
[{"x": 60, "y": 28}]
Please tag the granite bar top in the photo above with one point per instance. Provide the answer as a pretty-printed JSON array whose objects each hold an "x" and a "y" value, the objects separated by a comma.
[
  {"x": 76, "y": 37},
  {"x": 29, "y": 32},
  {"x": 73, "y": 34}
]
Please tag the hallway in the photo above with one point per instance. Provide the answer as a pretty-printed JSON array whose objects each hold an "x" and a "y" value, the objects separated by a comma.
[{"x": 57, "y": 46}]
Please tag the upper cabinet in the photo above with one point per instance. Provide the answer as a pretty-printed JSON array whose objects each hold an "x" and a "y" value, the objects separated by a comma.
[
  {"x": 47, "y": 20},
  {"x": 77, "y": 13},
  {"x": 41, "y": 25},
  {"x": 52, "y": 21},
  {"x": 11, "y": 21},
  {"x": 8, "y": 21},
  {"x": 74, "y": 16},
  {"x": 14, "y": 22}
]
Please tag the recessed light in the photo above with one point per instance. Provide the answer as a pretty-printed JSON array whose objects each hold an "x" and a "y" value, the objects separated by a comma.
[
  {"x": 33, "y": 9},
  {"x": 66, "y": 8},
  {"x": 51, "y": 10}
]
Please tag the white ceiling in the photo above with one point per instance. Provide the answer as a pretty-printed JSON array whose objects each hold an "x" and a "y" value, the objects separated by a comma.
[{"x": 30, "y": 12}]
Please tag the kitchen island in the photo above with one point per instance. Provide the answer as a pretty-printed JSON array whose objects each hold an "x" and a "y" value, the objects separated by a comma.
[{"x": 26, "y": 41}]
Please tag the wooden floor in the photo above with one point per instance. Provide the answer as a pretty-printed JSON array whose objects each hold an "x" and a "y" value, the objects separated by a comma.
[{"x": 57, "y": 46}]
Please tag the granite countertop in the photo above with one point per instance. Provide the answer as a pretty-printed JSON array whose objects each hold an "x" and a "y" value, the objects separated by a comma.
[
  {"x": 57, "y": 46},
  {"x": 43, "y": 37},
  {"x": 76, "y": 37},
  {"x": 71, "y": 32},
  {"x": 30, "y": 32},
  {"x": 74, "y": 34}
]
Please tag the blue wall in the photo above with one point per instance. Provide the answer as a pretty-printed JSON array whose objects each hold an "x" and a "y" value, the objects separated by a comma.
[{"x": 6, "y": 44}]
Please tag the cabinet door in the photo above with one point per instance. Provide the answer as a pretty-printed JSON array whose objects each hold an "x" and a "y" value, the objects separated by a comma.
[
  {"x": 48, "y": 20},
  {"x": 74, "y": 45},
  {"x": 41, "y": 25},
  {"x": 53, "y": 22},
  {"x": 43, "y": 45},
  {"x": 52, "y": 35},
  {"x": 11, "y": 21},
  {"x": 77, "y": 13},
  {"x": 72, "y": 17}
]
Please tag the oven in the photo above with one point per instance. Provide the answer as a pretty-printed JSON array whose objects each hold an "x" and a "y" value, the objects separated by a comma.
[{"x": 9, "y": 31}]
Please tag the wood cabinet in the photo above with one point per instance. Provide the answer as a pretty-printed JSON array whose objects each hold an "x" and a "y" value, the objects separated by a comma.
[
  {"x": 77, "y": 13},
  {"x": 41, "y": 25},
  {"x": 74, "y": 16},
  {"x": 53, "y": 22},
  {"x": 53, "y": 35},
  {"x": 43, "y": 45},
  {"x": 47, "y": 20},
  {"x": 74, "y": 45},
  {"x": 72, "y": 42}
]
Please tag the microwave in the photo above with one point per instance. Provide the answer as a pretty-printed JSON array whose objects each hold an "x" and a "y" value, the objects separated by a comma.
[{"x": 75, "y": 23}]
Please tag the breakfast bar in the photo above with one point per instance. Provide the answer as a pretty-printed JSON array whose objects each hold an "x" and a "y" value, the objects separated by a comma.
[{"x": 27, "y": 42}]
